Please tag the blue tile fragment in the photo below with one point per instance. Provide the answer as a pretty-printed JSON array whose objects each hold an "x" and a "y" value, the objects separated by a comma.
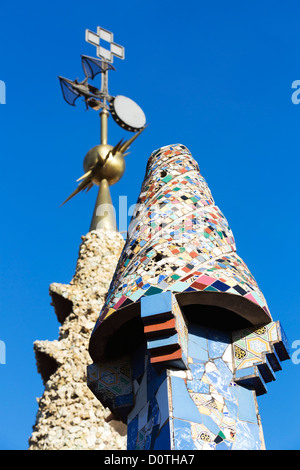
[
  {"x": 222, "y": 446},
  {"x": 132, "y": 432},
  {"x": 210, "y": 424},
  {"x": 156, "y": 304},
  {"x": 247, "y": 411},
  {"x": 163, "y": 341},
  {"x": 247, "y": 436},
  {"x": 197, "y": 369},
  {"x": 217, "y": 343},
  {"x": 182, "y": 435},
  {"x": 197, "y": 343},
  {"x": 183, "y": 405},
  {"x": 162, "y": 441},
  {"x": 197, "y": 386},
  {"x": 232, "y": 409},
  {"x": 244, "y": 372},
  {"x": 154, "y": 380}
]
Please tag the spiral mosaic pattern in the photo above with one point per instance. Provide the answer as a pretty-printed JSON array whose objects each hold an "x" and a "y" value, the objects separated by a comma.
[{"x": 179, "y": 240}]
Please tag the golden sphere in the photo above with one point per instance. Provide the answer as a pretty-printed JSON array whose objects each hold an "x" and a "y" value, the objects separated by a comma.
[{"x": 111, "y": 168}]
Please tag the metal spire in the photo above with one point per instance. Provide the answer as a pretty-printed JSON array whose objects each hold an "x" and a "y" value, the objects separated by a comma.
[{"x": 104, "y": 164}]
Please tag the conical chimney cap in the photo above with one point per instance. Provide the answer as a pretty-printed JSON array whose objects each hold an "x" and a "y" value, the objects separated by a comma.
[{"x": 178, "y": 240}]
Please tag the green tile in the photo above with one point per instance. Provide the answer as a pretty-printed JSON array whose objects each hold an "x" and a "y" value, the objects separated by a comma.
[
  {"x": 137, "y": 294},
  {"x": 153, "y": 290},
  {"x": 167, "y": 178},
  {"x": 211, "y": 289},
  {"x": 180, "y": 286}
]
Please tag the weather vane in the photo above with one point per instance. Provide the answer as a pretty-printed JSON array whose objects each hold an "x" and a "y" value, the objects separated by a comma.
[{"x": 104, "y": 164}]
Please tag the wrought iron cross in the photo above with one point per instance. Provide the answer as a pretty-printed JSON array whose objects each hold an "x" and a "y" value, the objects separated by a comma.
[{"x": 102, "y": 52}]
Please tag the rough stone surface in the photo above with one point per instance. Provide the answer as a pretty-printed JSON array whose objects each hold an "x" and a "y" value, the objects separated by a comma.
[{"x": 69, "y": 416}]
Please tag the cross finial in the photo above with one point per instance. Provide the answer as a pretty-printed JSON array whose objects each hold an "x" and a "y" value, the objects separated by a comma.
[
  {"x": 102, "y": 52},
  {"x": 104, "y": 164}
]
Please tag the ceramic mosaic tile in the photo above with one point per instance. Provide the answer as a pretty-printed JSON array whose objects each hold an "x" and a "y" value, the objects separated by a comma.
[
  {"x": 186, "y": 386},
  {"x": 251, "y": 344},
  {"x": 257, "y": 355},
  {"x": 179, "y": 241},
  {"x": 210, "y": 411},
  {"x": 147, "y": 426},
  {"x": 209, "y": 402},
  {"x": 166, "y": 330},
  {"x": 203, "y": 406},
  {"x": 111, "y": 383}
]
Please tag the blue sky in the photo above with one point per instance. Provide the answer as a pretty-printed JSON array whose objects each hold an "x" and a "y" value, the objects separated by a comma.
[{"x": 214, "y": 76}]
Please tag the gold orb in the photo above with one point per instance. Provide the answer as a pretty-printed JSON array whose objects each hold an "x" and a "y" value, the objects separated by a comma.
[{"x": 111, "y": 168}]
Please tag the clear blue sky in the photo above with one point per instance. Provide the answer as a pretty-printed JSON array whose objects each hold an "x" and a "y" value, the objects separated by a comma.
[{"x": 214, "y": 76}]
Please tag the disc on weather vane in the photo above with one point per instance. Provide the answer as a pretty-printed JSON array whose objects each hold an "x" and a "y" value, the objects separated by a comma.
[{"x": 127, "y": 113}]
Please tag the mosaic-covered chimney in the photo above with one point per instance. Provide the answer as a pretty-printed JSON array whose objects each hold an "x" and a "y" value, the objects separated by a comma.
[{"x": 185, "y": 341}]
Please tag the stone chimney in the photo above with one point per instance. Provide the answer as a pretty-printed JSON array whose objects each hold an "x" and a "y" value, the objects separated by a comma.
[{"x": 69, "y": 416}]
